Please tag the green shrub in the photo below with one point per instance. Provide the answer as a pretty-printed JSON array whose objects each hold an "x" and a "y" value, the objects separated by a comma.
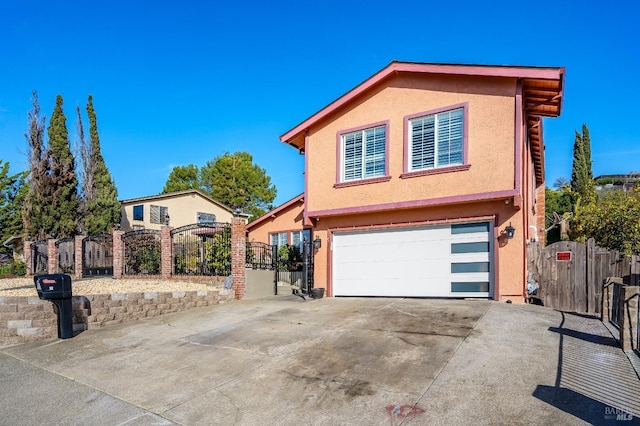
[{"x": 18, "y": 268}]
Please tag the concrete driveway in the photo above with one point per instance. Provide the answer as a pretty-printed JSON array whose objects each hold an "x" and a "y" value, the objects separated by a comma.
[{"x": 285, "y": 361}]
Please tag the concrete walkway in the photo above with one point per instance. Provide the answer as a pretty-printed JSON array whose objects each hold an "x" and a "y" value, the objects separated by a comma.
[{"x": 284, "y": 361}]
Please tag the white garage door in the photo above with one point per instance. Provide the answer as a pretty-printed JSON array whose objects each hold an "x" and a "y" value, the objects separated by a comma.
[{"x": 434, "y": 261}]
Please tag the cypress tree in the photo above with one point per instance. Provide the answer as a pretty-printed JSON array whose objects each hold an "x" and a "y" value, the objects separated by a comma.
[
  {"x": 37, "y": 223},
  {"x": 582, "y": 185},
  {"x": 63, "y": 208},
  {"x": 85, "y": 174},
  {"x": 101, "y": 194},
  {"x": 586, "y": 146}
]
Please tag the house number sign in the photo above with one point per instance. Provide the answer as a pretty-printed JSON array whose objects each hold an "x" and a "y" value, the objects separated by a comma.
[{"x": 563, "y": 256}]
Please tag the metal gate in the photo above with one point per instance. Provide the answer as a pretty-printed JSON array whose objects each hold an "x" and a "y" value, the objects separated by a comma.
[
  {"x": 264, "y": 258},
  {"x": 308, "y": 252},
  {"x": 142, "y": 252},
  {"x": 40, "y": 257},
  {"x": 97, "y": 255},
  {"x": 66, "y": 249},
  {"x": 202, "y": 249}
]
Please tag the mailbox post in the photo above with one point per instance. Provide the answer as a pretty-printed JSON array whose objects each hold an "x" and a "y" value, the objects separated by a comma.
[{"x": 57, "y": 289}]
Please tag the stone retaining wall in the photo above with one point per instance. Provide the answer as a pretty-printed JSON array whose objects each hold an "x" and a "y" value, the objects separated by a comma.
[{"x": 26, "y": 319}]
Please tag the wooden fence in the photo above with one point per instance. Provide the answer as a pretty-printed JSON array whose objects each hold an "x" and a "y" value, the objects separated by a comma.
[{"x": 570, "y": 274}]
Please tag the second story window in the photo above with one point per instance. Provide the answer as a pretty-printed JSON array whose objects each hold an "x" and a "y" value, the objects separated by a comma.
[
  {"x": 206, "y": 218},
  {"x": 436, "y": 140},
  {"x": 138, "y": 212},
  {"x": 363, "y": 154},
  {"x": 158, "y": 214}
]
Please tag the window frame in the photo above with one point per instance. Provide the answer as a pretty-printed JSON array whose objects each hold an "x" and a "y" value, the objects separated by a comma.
[
  {"x": 302, "y": 235},
  {"x": 272, "y": 234},
  {"x": 160, "y": 215},
  {"x": 199, "y": 220},
  {"x": 340, "y": 166},
  {"x": 407, "y": 172},
  {"x": 138, "y": 217}
]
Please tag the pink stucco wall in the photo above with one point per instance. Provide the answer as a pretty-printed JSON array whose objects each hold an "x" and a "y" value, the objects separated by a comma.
[
  {"x": 491, "y": 109},
  {"x": 288, "y": 219},
  {"x": 508, "y": 259},
  {"x": 498, "y": 161}
]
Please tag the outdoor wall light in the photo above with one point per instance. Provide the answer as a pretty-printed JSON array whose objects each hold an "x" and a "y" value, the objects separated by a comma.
[
  {"x": 317, "y": 243},
  {"x": 510, "y": 231},
  {"x": 166, "y": 219}
]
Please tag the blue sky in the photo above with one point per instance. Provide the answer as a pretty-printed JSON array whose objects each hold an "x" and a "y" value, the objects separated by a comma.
[{"x": 176, "y": 83}]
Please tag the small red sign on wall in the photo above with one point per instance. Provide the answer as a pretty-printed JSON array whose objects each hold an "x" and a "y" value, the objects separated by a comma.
[{"x": 563, "y": 256}]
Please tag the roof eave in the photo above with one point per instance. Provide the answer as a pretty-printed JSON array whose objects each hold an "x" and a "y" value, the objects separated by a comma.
[
  {"x": 550, "y": 73},
  {"x": 275, "y": 211}
]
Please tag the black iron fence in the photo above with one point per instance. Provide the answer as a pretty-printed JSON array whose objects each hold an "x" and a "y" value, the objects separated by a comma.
[
  {"x": 40, "y": 257},
  {"x": 97, "y": 255},
  {"x": 261, "y": 256},
  {"x": 202, "y": 249},
  {"x": 142, "y": 252},
  {"x": 66, "y": 249}
]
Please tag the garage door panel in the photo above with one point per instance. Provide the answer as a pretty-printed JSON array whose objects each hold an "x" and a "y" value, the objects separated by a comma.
[
  {"x": 403, "y": 269},
  {"x": 413, "y": 262}
]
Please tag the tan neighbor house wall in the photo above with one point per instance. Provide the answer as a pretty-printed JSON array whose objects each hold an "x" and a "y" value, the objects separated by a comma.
[{"x": 183, "y": 208}]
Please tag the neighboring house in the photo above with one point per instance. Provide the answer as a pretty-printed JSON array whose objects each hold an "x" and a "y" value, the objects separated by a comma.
[
  {"x": 625, "y": 183},
  {"x": 414, "y": 178},
  {"x": 282, "y": 225},
  {"x": 14, "y": 242},
  {"x": 175, "y": 209}
]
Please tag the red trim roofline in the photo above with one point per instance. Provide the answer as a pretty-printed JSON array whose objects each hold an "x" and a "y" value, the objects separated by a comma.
[
  {"x": 542, "y": 73},
  {"x": 275, "y": 211}
]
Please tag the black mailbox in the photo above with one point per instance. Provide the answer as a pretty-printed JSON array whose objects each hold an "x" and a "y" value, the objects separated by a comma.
[
  {"x": 53, "y": 286},
  {"x": 57, "y": 289}
]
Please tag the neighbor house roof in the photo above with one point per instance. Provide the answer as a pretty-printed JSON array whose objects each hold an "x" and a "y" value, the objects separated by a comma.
[
  {"x": 11, "y": 241},
  {"x": 542, "y": 91},
  {"x": 173, "y": 195},
  {"x": 274, "y": 213}
]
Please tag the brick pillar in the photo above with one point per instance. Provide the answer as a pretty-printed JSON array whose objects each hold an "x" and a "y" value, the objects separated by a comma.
[
  {"x": 238, "y": 255},
  {"x": 78, "y": 256},
  {"x": 52, "y": 252},
  {"x": 28, "y": 261},
  {"x": 167, "y": 252},
  {"x": 118, "y": 254}
]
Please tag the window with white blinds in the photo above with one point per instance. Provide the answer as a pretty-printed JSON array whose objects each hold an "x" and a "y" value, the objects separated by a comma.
[
  {"x": 436, "y": 140},
  {"x": 158, "y": 214},
  {"x": 363, "y": 154}
]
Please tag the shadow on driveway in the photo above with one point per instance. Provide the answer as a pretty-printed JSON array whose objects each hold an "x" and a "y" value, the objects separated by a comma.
[{"x": 593, "y": 379}]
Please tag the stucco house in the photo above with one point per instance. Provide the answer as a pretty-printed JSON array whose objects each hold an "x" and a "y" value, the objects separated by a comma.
[
  {"x": 175, "y": 208},
  {"x": 282, "y": 225},
  {"x": 426, "y": 180}
]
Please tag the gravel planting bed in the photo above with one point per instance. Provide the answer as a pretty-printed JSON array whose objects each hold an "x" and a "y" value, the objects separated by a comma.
[{"x": 24, "y": 286}]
